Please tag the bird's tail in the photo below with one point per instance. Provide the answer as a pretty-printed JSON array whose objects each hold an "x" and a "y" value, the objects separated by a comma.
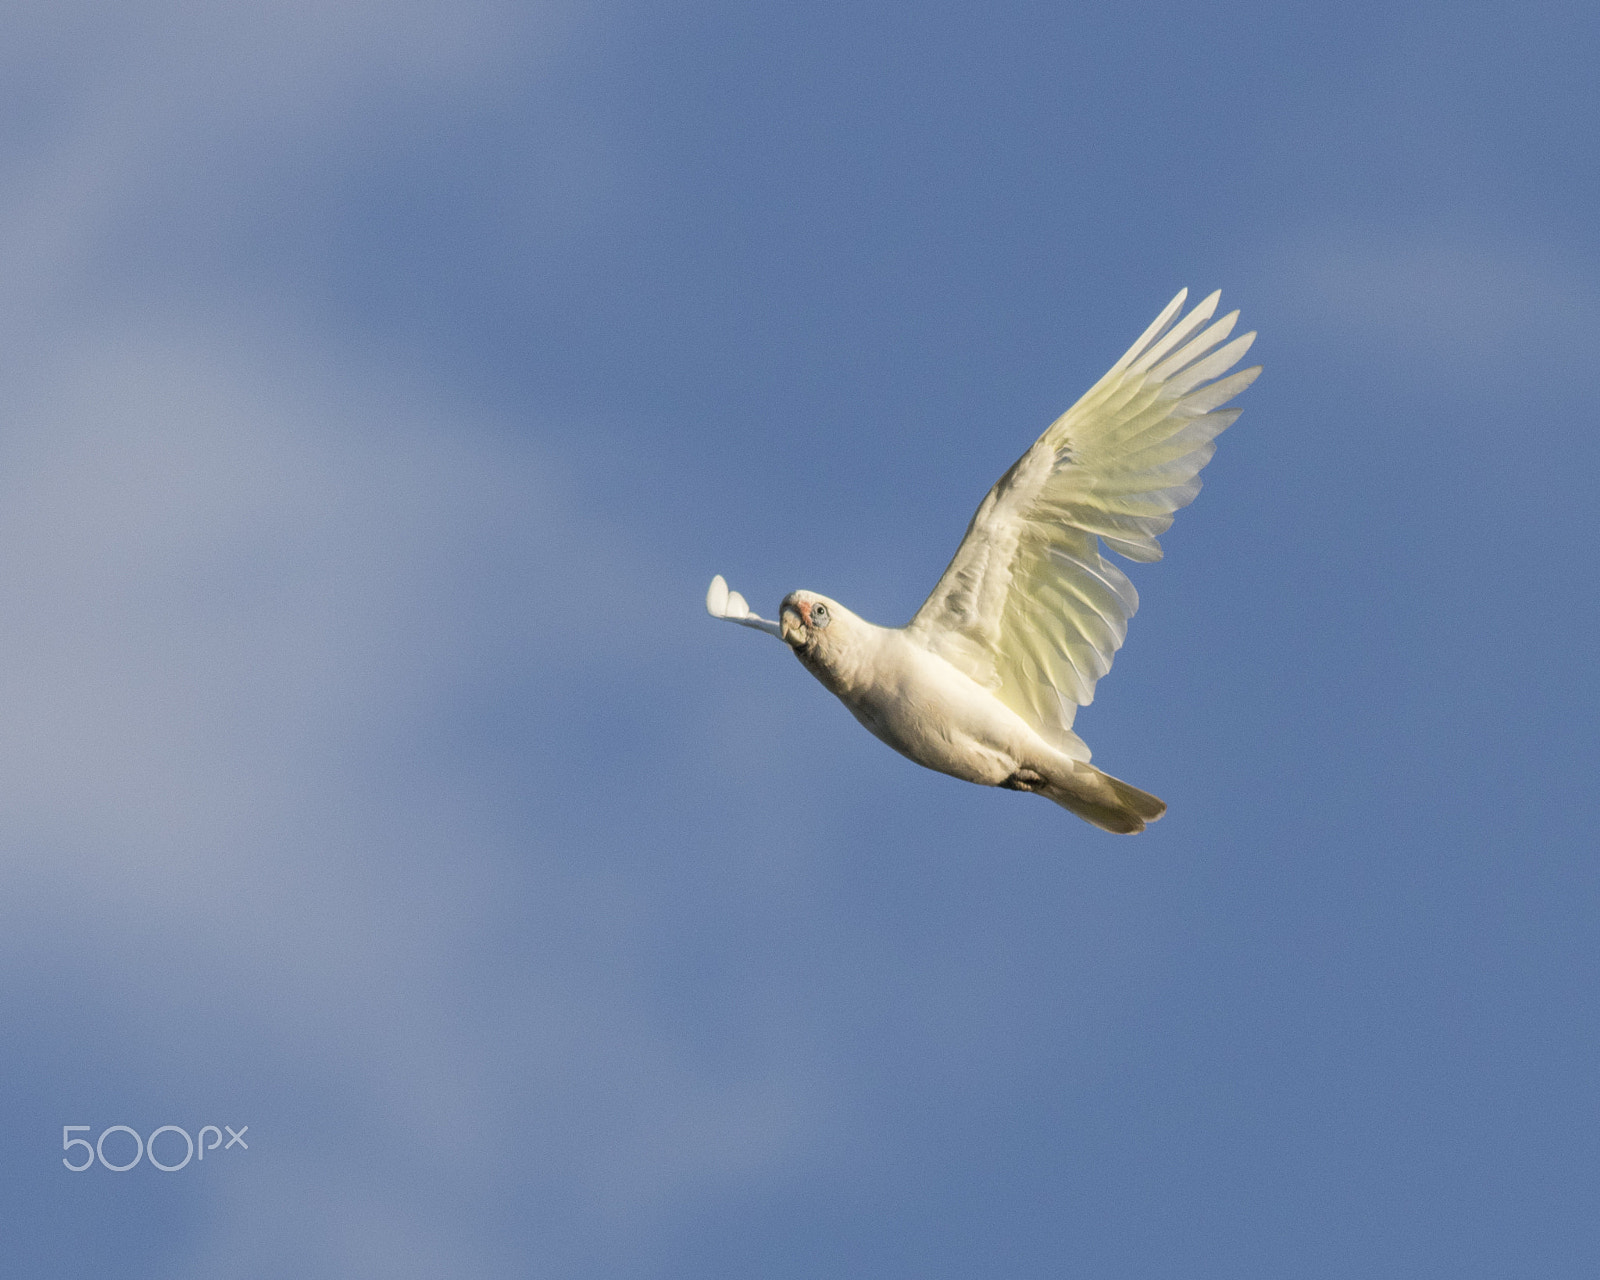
[{"x": 1109, "y": 803}]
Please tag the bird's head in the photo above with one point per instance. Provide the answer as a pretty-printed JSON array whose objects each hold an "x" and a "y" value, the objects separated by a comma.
[{"x": 812, "y": 625}]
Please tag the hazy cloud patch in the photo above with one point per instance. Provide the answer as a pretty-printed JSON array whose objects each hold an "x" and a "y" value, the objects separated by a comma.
[
  {"x": 244, "y": 601},
  {"x": 1471, "y": 305}
]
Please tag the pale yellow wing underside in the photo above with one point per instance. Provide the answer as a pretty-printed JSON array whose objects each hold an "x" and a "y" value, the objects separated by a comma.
[{"x": 1030, "y": 607}]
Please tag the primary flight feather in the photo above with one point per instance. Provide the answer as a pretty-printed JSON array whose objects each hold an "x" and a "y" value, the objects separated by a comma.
[{"x": 984, "y": 681}]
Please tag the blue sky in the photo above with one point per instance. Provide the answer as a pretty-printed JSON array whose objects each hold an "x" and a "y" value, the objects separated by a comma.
[{"x": 383, "y": 383}]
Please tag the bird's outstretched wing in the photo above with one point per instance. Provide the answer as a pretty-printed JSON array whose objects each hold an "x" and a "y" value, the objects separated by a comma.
[{"x": 1030, "y": 607}]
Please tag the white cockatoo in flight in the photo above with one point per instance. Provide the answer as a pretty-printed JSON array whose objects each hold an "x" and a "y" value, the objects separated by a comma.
[{"x": 984, "y": 681}]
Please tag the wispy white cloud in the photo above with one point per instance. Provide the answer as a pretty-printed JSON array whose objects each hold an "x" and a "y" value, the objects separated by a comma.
[
  {"x": 1472, "y": 304},
  {"x": 230, "y": 593},
  {"x": 128, "y": 103},
  {"x": 249, "y": 581}
]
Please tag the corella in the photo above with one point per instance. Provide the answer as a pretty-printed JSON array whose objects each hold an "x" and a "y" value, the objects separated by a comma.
[{"x": 984, "y": 681}]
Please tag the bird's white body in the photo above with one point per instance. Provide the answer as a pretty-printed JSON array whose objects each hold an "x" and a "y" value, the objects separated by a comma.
[
  {"x": 984, "y": 681},
  {"x": 925, "y": 709},
  {"x": 936, "y": 714}
]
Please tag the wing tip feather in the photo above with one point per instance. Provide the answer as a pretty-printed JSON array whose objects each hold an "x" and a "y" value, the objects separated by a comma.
[{"x": 1156, "y": 329}]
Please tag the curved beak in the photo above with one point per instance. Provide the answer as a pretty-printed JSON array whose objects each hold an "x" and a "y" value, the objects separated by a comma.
[{"x": 791, "y": 628}]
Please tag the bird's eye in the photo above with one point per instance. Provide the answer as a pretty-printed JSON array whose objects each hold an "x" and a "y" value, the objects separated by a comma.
[{"x": 819, "y": 616}]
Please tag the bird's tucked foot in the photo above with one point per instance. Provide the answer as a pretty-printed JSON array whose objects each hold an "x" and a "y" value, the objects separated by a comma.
[{"x": 1024, "y": 780}]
